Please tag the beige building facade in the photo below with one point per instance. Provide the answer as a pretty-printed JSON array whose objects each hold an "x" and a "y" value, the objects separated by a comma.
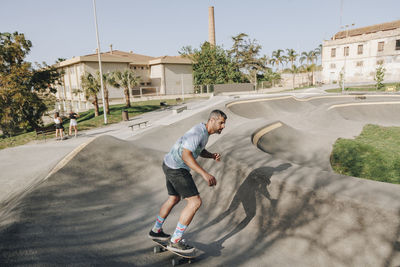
[
  {"x": 358, "y": 52},
  {"x": 167, "y": 75}
]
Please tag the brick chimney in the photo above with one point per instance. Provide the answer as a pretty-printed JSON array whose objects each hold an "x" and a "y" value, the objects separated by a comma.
[{"x": 211, "y": 26}]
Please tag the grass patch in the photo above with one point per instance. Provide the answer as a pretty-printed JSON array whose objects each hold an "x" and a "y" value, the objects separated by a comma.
[
  {"x": 88, "y": 121},
  {"x": 374, "y": 154},
  {"x": 367, "y": 88}
]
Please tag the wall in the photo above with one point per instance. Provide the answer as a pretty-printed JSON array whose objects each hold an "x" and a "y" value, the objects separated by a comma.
[
  {"x": 174, "y": 73},
  {"x": 234, "y": 87}
]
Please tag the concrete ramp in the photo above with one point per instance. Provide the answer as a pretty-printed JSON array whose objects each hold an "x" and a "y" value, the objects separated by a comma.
[
  {"x": 270, "y": 207},
  {"x": 293, "y": 145}
]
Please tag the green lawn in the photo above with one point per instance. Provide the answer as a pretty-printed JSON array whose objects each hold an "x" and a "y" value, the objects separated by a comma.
[
  {"x": 374, "y": 154},
  {"x": 367, "y": 88},
  {"x": 87, "y": 120}
]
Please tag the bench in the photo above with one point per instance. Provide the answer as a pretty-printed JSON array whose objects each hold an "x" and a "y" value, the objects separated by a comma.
[
  {"x": 176, "y": 110},
  {"x": 361, "y": 97},
  {"x": 45, "y": 131},
  {"x": 139, "y": 124}
]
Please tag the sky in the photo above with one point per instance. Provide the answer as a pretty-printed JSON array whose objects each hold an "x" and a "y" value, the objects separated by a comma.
[{"x": 64, "y": 29}]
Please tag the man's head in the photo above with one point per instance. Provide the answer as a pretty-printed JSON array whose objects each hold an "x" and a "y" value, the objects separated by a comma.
[{"x": 216, "y": 121}]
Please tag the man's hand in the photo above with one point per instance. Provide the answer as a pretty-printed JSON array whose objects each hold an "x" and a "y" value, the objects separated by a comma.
[
  {"x": 217, "y": 157},
  {"x": 210, "y": 179}
]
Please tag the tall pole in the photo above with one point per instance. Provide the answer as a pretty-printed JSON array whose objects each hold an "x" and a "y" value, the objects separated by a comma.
[
  {"x": 183, "y": 92},
  {"x": 99, "y": 58},
  {"x": 345, "y": 56}
]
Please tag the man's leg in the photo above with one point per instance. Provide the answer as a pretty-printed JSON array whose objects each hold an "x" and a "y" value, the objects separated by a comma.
[
  {"x": 164, "y": 212},
  {"x": 157, "y": 232},
  {"x": 187, "y": 214}
]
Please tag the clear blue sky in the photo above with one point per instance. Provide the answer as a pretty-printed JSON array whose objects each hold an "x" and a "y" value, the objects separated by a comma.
[{"x": 63, "y": 29}]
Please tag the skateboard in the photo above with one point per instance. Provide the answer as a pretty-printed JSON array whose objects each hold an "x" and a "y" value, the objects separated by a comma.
[{"x": 161, "y": 246}]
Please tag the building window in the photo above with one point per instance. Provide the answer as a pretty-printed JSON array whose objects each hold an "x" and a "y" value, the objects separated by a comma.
[
  {"x": 380, "y": 62},
  {"x": 333, "y": 65},
  {"x": 380, "y": 46},
  {"x": 360, "y": 49},
  {"x": 333, "y": 52},
  {"x": 359, "y": 63},
  {"x": 134, "y": 68},
  {"x": 141, "y": 67},
  {"x": 346, "y": 51},
  {"x": 397, "y": 44}
]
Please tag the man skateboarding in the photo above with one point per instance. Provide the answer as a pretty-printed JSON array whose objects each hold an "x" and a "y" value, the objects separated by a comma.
[{"x": 176, "y": 166}]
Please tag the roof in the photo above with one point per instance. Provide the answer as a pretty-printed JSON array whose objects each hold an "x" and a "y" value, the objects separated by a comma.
[
  {"x": 170, "y": 60},
  {"x": 367, "y": 30},
  {"x": 115, "y": 56}
]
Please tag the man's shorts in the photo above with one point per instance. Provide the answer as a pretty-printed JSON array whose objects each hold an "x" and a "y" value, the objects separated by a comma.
[{"x": 179, "y": 182}]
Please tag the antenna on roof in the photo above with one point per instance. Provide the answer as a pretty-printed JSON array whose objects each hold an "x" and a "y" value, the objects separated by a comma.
[{"x": 111, "y": 49}]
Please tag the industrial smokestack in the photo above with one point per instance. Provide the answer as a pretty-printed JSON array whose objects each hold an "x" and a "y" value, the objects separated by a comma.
[{"x": 211, "y": 26}]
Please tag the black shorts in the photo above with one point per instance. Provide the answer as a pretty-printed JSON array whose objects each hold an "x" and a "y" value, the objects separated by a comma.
[{"x": 179, "y": 182}]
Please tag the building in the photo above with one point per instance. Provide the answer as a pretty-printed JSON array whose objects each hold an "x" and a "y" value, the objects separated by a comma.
[
  {"x": 358, "y": 52},
  {"x": 167, "y": 75}
]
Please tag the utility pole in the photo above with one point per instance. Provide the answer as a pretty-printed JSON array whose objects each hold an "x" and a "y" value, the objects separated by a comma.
[
  {"x": 99, "y": 58},
  {"x": 345, "y": 55}
]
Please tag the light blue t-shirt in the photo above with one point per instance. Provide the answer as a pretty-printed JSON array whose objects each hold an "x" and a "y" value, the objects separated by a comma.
[{"x": 194, "y": 140}]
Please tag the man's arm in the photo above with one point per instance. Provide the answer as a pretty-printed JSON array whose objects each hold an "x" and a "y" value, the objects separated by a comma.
[
  {"x": 206, "y": 154},
  {"x": 188, "y": 158}
]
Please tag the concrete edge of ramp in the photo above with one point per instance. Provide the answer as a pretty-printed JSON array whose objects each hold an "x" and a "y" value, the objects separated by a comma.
[
  {"x": 13, "y": 201},
  {"x": 364, "y": 191},
  {"x": 236, "y": 102}
]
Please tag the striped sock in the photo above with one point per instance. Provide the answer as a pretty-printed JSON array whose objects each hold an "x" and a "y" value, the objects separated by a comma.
[
  {"x": 158, "y": 224},
  {"x": 177, "y": 236}
]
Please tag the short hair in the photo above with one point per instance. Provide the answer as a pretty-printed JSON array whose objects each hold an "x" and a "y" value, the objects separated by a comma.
[{"x": 216, "y": 114}]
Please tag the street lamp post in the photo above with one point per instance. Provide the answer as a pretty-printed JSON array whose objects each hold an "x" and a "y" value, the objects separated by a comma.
[
  {"x": 345, "y": 55},
  {"x": 99, "y": 58}
]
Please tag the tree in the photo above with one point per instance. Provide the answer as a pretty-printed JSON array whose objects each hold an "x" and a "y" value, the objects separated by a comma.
[
  {"x": 277, "y": 58},
  {"x": 245, "y": 54},
  {"x": 292, "y": 56},
  {"x": 91, "y": 87},
  {"x": 108, "y": 79},
  {"x": 125, "y": 79},
  {"x": 211, "y": 65},
  {"x": 24, "y": 90},
  {"x": 379, "y": 77},
  {"x": 310, "y": 57}
]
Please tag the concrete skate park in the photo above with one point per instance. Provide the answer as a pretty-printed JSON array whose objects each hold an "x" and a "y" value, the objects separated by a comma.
[{"x": 277, "y": 201}]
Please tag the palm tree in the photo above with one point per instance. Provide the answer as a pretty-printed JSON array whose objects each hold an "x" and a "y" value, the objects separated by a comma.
[
  {"x": 318, "y": 52},
  {"x": 91, "y": 87},
  {"x": 309, "y": 57},
  {"x": 125, "y": 79},
  {"x": 277, "y": 58},
  {"x": 292, "y": 56},
  {"x": 108, "y": 79}
]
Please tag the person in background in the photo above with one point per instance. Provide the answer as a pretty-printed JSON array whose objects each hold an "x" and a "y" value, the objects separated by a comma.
[
  {"x": 59, "y": 126},
  {"x": 73, "y": 123}
]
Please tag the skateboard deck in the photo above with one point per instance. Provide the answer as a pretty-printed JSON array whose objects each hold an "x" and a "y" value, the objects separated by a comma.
[{"x": 161, "y": 246}]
